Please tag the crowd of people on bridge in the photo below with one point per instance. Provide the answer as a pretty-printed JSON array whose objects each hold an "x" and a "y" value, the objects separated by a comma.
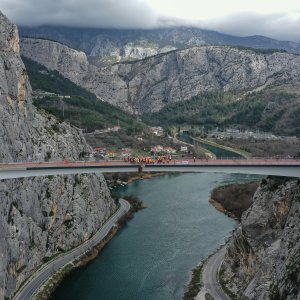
[
  {"x": 163, "y": 159},
  {"x": 149, "y": 160}
]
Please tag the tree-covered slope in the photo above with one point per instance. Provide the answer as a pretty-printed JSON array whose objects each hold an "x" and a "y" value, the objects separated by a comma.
[
  {"x": 148, "y": 85},
  {"x": 275, "y": 109},
  {"x": 81, "y": 108}
]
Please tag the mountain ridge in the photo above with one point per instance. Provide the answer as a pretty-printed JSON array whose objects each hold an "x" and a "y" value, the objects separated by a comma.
[
  {"x": 104, "y": 46},
  {"x": 148, "y": 85}
]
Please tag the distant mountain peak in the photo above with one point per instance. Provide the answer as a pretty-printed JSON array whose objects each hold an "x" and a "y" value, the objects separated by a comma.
[{"x": 125, "y": 44}]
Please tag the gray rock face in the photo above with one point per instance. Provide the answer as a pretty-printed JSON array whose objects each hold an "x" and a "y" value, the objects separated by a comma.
[
  {"x": 25, "y": 134},
  {"x": 148, "y": 85},
  {"x": 263, "y": 256},
  {"x": 56, "y": 56},
  {"x": 107, "y": 52},
  {"x": 103, "y": 43},
  {"x": 42, "y": 216}
]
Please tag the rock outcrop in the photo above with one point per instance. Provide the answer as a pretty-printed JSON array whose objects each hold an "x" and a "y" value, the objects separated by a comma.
[
  {"x": 39, "y": 217},
  {"x": 105, "y": 53},
  {"x": 149, "y": 84},
  {"x": 263, "y": 255}
]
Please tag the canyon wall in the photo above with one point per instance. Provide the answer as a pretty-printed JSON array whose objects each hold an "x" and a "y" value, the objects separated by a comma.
[
  {"x": 43, "y": 216},
  {"x": 263, "y": 255}
]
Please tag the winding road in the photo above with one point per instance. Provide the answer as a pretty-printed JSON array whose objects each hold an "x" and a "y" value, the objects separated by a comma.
[
  {"x": 40, "y": 277},
  {"x": 210, "y": 276}
]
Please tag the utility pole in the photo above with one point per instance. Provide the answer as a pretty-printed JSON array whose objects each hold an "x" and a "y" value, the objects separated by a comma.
[{"x": 62, "y": 105}]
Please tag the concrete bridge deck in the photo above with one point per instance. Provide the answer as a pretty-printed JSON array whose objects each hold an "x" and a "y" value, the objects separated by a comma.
[{"x": 277, "y": 167}]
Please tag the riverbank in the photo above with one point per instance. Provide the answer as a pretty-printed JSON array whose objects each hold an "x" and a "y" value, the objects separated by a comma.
[
  {"x": 48, "y": 288},
  {"x": 215, "y": 149},
  {"x": 153, "y": 256},
  {"x": 122, "y": 179},
  {"x": 233, "y": 199},
  {"x": 43, "y": 282},
  {"x": 242, "y": 153},
  {"x": 226, "y": 199}
]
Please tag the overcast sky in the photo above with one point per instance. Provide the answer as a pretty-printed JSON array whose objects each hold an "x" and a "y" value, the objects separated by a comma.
[{"x": 274, "y": 18}]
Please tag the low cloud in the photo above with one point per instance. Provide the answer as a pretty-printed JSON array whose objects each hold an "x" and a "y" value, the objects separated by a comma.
[
  {"x": 137, "y": 14},
  {"x": 88, "y": 13},
  {"x": 278, "y": 26}
]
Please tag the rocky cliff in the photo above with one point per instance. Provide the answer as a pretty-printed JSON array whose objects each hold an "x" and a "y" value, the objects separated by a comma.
[
  {"x": 149, "y": 84},
  {"x": 39, "y": 217},
  {"x": 263, "y": 256}
]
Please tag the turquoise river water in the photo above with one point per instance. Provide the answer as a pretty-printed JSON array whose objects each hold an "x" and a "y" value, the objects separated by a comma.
[{"x": 153, "y": 255}]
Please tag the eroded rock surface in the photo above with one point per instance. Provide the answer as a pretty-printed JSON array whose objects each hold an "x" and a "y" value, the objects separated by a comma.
[
  {"x": 148, "y": 85},
  {"x": 263, "y": 256},
  {"x": 39, "y": 217}
]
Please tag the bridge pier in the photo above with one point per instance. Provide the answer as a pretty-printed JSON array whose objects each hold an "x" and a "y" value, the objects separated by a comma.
[{"x": 141, "y": 168}]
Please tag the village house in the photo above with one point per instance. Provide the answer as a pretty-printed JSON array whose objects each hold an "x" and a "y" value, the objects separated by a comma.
[
  {"x": 162, "y": 150},
  {"x": 100, "y": 150},
  {"x": 169, "y": 150},
  {"x": 183, "y": 148},
  {"x": 157, "y": 130}
]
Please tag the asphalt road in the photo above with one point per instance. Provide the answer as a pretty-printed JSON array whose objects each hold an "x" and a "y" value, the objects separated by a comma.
[
  {"x": 48, "y": 270},
  {"x": 210, "y": 276}
]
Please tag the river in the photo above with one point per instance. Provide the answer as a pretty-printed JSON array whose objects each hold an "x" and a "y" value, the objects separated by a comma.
[
  {"x": 218, "y": 151},
  {"x": 153, "y": 255}
]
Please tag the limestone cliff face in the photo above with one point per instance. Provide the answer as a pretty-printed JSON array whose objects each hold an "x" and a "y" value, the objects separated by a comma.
[
  {"x": 106, "y": 52},
  {"x": 39, "y": 217},
  {"x": 26, "y": 134},
  {"x": 56, "y": 56},
  {"x": 263, "y": 256},
  {"x": 149, "y": 84},
  {"x": 44, "y": 216}
]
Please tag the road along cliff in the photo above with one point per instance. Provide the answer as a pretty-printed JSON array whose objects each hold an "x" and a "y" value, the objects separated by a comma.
[{"x": 39, "y": 217}]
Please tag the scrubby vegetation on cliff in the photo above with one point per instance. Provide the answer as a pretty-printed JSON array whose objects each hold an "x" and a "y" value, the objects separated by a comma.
[
  {"x": 81, "y": 107},
  {"x": 234, "y": 198}
]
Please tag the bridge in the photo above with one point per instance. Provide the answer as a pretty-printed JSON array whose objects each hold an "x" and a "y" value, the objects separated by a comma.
[{"x": 276, "y": 167}]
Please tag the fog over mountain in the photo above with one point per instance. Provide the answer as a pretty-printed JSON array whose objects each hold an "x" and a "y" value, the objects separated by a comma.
[{"x": 270, "y": 18}]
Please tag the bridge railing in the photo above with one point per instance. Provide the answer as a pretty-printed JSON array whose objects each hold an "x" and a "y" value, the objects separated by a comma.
[{"x": 173, "y": 161}]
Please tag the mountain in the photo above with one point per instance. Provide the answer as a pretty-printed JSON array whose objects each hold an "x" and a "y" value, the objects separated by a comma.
[
  {"x": 106, "y": 46},
  {"x": 149, "y": 84},
  {"x": 262, "y": 258},
  {"x": 79, "y": 107},
  {"x": 274, "y": 109},
  {"x": 40, "y": 217}
]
